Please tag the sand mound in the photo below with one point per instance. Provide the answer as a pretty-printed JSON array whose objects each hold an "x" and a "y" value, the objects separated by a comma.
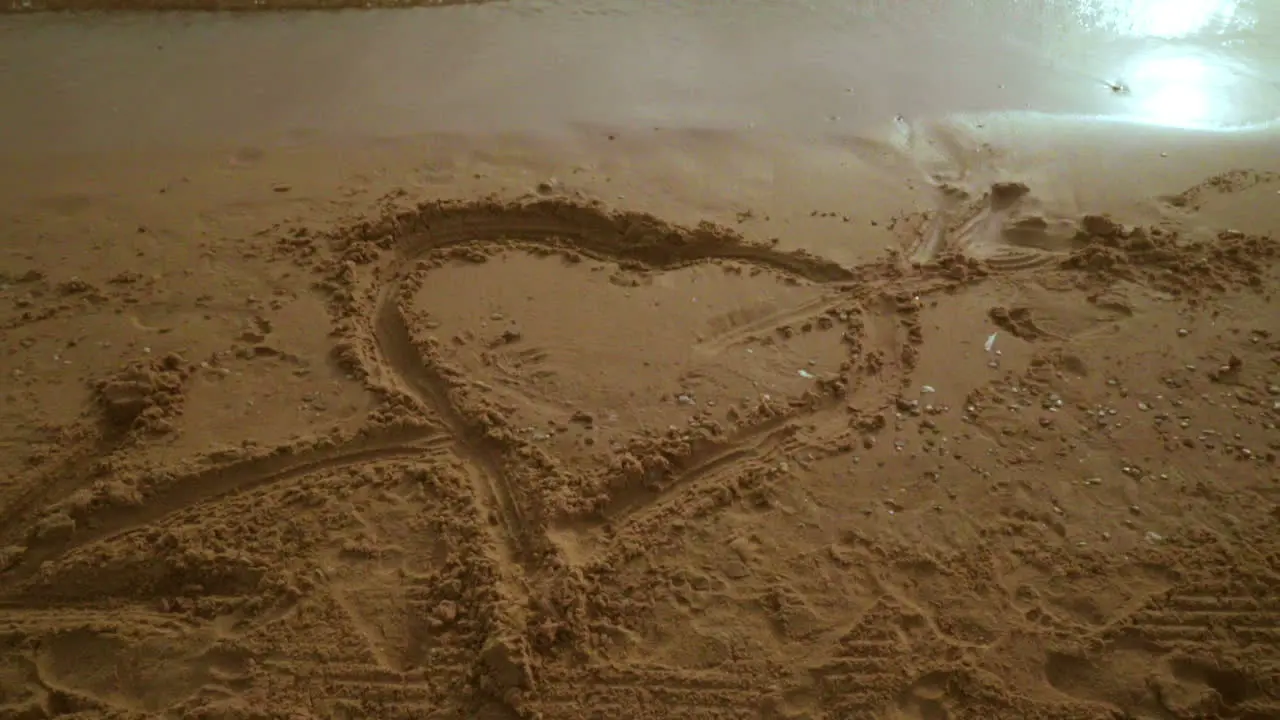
[
  {"x": 619, "y": 468},
  {"x": 144, "y": 397}
]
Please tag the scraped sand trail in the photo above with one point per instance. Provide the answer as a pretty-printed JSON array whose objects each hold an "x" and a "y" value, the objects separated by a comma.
[{"x": 549, "y": 459}]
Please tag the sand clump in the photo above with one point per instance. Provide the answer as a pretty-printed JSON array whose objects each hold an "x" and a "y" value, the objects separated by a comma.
[
  {"x": 614, "y": 467},
  {"x": 145, "y": 397}
]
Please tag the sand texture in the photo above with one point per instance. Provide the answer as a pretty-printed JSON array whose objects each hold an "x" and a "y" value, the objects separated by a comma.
[{"x": 542, "y": 457}]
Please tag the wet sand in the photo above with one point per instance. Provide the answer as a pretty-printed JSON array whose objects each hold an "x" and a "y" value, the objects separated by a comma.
[{"x": 499, "y": 361}]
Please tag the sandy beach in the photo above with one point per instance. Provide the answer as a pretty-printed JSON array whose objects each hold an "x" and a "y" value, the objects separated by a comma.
[{"x": 915, "y": 361}]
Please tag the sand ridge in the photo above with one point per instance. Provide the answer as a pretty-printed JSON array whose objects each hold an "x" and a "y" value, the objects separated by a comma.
[{"x": 817, "y": 494}]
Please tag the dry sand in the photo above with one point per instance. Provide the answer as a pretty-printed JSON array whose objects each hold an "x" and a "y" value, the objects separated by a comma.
[{"x": 644, "y": 424}]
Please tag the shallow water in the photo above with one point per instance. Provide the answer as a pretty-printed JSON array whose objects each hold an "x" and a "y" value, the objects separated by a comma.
[
  {"x": 120, "y": 81},
  {"x": 696, "y": 111}
]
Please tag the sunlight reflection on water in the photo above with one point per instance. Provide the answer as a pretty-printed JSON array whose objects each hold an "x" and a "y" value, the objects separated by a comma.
[
  {"x": 1179, "y": 74},
  {"x": 1166, "y": 18}
]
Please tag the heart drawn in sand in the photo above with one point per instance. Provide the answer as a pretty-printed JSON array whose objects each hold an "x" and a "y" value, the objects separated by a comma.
[{"x": 660, "y": 358}]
